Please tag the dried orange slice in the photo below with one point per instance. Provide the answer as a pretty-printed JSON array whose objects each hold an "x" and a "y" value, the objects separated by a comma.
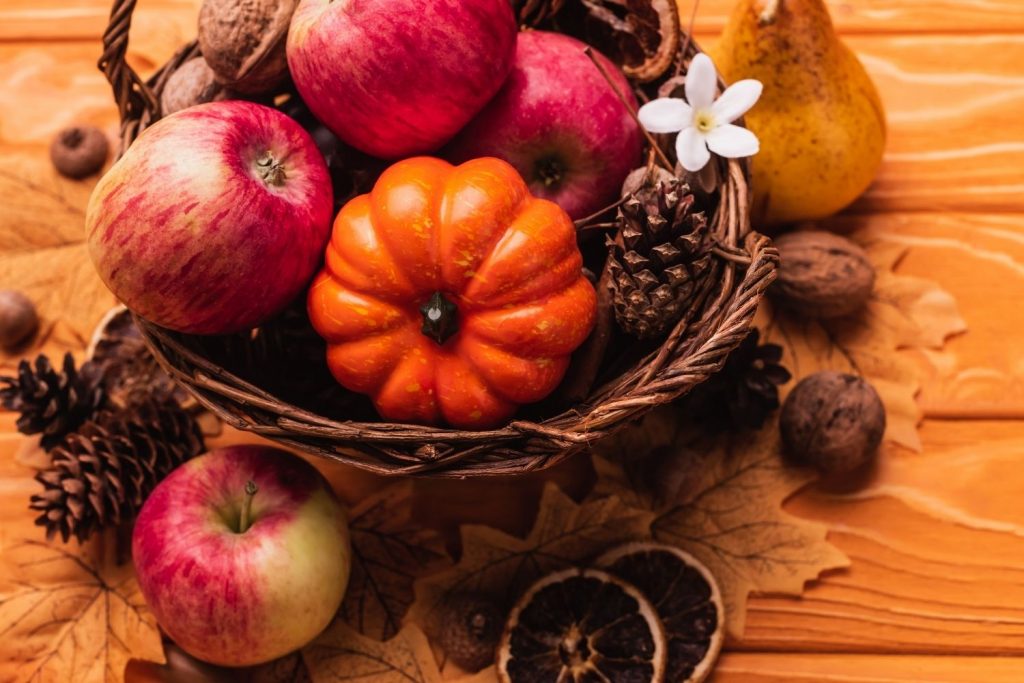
[
  {"x": 686, "y": 597},
  {"x": 582, "y": 625}
]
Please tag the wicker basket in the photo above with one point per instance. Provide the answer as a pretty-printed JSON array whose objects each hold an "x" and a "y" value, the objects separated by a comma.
[{"x": 631, "y": 381}]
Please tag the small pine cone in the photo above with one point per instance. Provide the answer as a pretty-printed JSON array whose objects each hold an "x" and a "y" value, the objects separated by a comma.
[
  {"x": 101, "y": 474},
  {"x": 51, "y": 403},
  {"x": 658, "y": 257},
  {"x": 742, "y": 395}
]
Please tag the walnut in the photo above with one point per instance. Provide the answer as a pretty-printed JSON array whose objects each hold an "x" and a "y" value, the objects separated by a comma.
[
  {"x": 79, "y": 151},
  {"x": 243, "y": 41},
  {"x": 822, "y": 275},
  {"x": 192, "y": 83},
  {"x": 832, "y": 422}
]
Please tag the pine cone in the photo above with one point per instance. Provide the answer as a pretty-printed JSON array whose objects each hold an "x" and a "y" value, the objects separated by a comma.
[
  {"x": 52, "y": 403},
  {"x": 744, "y": 393},
  {"x": 101, "y": 474},
  {"x": 658, "y": 257}
]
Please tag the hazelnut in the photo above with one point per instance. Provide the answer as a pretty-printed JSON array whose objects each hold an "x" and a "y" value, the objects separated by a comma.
[
  {"x": 832, "y": 422},
  {"x": 243, "y": 41},
  {"x": 822, "y": 275},
  {"x": 468, "y": 627},
  {"x": 79, "y": 151},
  {"x": 18, "y": 318},
  {"x": 191, "y": 84}
]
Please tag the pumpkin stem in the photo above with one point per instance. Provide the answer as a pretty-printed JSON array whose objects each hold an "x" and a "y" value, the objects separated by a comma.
[{"x": 439, "y": 318}]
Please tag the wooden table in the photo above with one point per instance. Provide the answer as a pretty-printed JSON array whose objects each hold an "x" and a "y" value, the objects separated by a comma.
[{"x": 936, "y": 587}]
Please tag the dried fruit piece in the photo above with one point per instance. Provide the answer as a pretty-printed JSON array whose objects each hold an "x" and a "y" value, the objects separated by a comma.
[
  {"x": 18, "y": 318},
  {"x": 686, "y": 597},
  {"x": 243, "y": 41},
  {"x": 468, "y": 628},
  {"x": 832, "y": 422},
  {"x": 191, "y": 84},
  {"x": 582, "y": 625},
  {"x": 642, "y": 36},
  {"x": 79, "y": 151},
  {"x": 822, "y": 275}
]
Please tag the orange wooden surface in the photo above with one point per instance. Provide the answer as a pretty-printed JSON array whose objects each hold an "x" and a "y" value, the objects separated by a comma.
[{"x": 936, "y": 587}]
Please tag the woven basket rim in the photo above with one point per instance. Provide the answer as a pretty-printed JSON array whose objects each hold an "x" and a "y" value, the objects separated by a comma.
[{"x": 744, "y": 266}]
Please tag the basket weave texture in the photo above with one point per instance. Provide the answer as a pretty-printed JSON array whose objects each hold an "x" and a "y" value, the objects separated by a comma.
[{"x": 217, "y": 370}]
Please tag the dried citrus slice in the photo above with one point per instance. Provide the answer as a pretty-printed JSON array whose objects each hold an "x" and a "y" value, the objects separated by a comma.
[
  {"x": 582, "y": 626},
  {"x": 641, "y": 36},
  {"x": 687, "y": 600}
]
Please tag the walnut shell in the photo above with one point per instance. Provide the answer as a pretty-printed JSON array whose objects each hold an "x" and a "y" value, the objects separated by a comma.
[
  {"x": 18, "y": 318},
  {"x": 832, "y": 422},
  {"x": 243, "y": 41},
  {"x": 822, "y": 275},
  {"x": 79, "y": 151},
  {"x": 191, "y": 84}
]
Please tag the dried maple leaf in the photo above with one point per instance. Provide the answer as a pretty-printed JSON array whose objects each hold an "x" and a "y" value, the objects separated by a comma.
[
  {"x": 500, "y": 566},
  {"x": 724, "y": 505},
  {"x": 389, "y": 552},
  {"x": 71, "y": 613},
  {"x": 42, "y": 248},
  {"x": 904, "y": 314},
  {"x": 288, "y": 669},
  {"x": 341, "y": 654}
]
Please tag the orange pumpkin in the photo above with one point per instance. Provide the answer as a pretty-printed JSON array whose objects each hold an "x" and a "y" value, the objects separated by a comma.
[{"x": 450, "y": 294}]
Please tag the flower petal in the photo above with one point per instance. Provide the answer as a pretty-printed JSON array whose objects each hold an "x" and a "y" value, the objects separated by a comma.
[
  {"x": 731, "y": 141},
  {"x": 736, "y": 100},
  {"x": 701, "y": 82},
  {"x": 665, "y": 115},
  {"x": 692, "y": 150}
]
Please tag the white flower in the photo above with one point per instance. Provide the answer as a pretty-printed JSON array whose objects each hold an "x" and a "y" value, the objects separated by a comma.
[{"x": 702, "y": 121}]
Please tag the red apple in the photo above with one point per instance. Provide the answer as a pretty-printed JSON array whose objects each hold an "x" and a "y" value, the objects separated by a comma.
[
  {"x": 399, "y": 77},
  {"x": 560, "y": 124},
  {"x": 238, "y": 578},
  {"x": 214, "y": 219}
]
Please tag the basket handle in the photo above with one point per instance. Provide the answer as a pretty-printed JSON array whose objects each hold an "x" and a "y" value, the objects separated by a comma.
[{"x": 137, "y": 105}]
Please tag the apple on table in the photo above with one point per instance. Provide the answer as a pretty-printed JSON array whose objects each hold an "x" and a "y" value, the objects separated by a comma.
[{"x": 242, "y": 554}]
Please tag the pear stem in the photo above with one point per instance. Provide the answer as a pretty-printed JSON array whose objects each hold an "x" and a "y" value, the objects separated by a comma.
[
  {"x": 622, "y": 98},
  {"x": 771, "y": 8},
  {"x": 243, "y": 520}
]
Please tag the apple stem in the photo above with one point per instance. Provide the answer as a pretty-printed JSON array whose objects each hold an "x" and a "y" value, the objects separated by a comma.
[
  {"x": 250, "y": 492},
  {"x": 589, "y": 52},
  {"x": 270, "y": 170},
  {"x": 771, "y": 8}
]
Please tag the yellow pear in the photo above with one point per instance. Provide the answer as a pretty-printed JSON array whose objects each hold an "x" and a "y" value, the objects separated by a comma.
[{"x": 820, "y": 120}]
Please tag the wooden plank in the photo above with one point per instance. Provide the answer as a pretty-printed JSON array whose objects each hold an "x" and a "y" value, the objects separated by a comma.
[
  {"x": 87, "y": 19},
  {"x": 979, "y": 259},
  {"x": 758, "y": 667},
  {"x": 955, "y": 137},
  {"x": 936, "y": 541},
  {"x": 890, "y": 16}
]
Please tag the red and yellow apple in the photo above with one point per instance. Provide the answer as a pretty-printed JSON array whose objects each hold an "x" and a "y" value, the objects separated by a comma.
[
  {"x": 395, "y": 78},
  {"x": 560, "y": 123},
  {"x": 214, "y": 219},
  {"x": 242, "y": 554}
]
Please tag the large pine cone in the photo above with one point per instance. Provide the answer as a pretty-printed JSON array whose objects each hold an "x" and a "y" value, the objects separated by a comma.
[
  {"x": 101, "y": 474},
  {"x": 51, "y": 403},
  {"x": 659, "y": 255}
]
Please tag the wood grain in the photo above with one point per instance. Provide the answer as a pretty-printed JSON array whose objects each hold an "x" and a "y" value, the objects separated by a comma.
[
  {"x": 752, "y": 667},
  {"x": 979, "y": 259},
  {"x": 936, "y": 541},
  {"x": 955, "y": 139},
  {"x": 86, "y": 19}
]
